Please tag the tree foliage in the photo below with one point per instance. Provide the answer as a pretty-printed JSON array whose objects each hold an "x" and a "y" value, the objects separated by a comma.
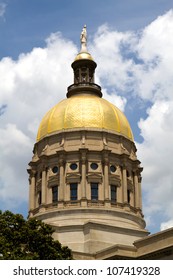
[{"x": 30, "y": 239}]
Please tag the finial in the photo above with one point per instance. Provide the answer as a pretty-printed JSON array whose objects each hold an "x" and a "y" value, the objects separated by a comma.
[{"x": 83, "y": 39}]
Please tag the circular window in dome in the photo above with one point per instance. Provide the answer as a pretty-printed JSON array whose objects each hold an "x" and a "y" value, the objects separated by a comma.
[
  {"x": 94, "y": 165},
  {"x": 73, "y": 166},
  {"x": 55, "y": 169},
  {"x": 112, "y": 168}
]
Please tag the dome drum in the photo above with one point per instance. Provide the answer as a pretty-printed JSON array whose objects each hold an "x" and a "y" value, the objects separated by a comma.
[{"x": 97, "y": 153}]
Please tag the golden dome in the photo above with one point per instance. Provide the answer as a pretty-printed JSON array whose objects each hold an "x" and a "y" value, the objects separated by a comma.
[{"x": 84, "y": 111}]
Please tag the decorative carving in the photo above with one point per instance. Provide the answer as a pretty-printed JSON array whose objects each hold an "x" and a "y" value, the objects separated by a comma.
[
  {"x": 95, "y": 177},
  {"x": 73, "y": 178}
]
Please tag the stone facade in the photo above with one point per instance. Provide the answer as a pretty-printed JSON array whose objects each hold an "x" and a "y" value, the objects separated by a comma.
[{"x": 96, "y": 178}]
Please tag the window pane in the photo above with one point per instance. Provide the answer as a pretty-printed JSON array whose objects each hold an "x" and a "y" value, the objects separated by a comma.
[
  {"x": 94, "y": 166},
  {"x": 55, "y": 169},
  {"x": 73, "y": 166},
  {"x": 55, "y": 194},
  {"x": 73, "y": 191},
  {"x": 112, "y": 168},
  {"x": 113, "y": 193},
  {"x": 94, "y": 191},
  {"x": 128, "y": 196}
]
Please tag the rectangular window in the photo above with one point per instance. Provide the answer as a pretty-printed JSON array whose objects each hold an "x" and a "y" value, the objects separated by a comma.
[
  {"x": 128, "y": 196},
  {"x": 94, "y": 191},
  {"x": 113, "y": 193},
  {"x": 73, "y": 191},
  {"x": 55, "y": 194}
]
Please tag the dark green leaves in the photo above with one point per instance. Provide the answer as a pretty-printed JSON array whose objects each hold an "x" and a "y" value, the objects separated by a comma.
[{"x": 31, "y": 239}]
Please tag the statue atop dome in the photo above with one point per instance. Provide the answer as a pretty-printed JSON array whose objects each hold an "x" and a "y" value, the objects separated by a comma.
[{"x": 83, "y": 39}]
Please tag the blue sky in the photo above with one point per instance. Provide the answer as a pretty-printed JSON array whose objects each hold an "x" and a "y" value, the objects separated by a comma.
[
  {"x": 132, "y": 44},
  {"x": 26, "y": 24}
]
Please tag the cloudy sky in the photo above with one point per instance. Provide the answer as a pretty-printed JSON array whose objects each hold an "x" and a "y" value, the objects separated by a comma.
[{"x": 132, "y": 43}]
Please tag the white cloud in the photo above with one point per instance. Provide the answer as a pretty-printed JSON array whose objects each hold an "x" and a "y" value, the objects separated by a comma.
[
  {"x": 154, "y": 74},
  {"x": 156, "y": 155},
  {"x": 166, "y": 225},
  {"x": 2, "y": 9},
  {"x": 155, "y": 83},
  {"x": 114, "y": 98},
  {"x": 140, "y": 65},
  {"x": 15, "y": 147},
  {"x": 112, "y": 66},
  {"x": 29, "y": 87}
]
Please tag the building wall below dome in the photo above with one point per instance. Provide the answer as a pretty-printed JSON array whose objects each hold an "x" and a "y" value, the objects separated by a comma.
[
  {"x": 78, "y": 171},
  {"x": 90, "y": 230}
]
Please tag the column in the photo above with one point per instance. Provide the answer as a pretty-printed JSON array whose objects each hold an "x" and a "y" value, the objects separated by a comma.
[
  {"x": 61, "y": 180},
  {"x": 106, "y": 175},
  {"x": 43, "y": 186},
  {"x": 32, "y": 191},
  {"x": 106, "y": 180},
  {"x": 137, "y": 202},
  {"x": 83, "y": 179},
  {"x": 124, "y": 184},
  {"x": 140, "y": 192},
  {"x": 49, "y": 191},
  {"x": 120, "y": 188},
  {"x": 132, "y": 202}
]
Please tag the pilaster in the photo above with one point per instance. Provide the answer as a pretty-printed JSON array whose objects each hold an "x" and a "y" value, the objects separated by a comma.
[
  {"x": 61, "y": 179},
  {"x": 83, "y": 179},
  {"x": 105, "y": 156}
]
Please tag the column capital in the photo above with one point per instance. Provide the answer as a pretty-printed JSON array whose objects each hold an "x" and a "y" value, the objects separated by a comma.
[
  {"x": 44, "y": 167},
  {"x": 32, "y": 172},
  {"x": 61, "y": 157},
  {"x": 61, "y": 161},
  {"x": 124, "y": 165},
  {"x": 105, "y": 156}
]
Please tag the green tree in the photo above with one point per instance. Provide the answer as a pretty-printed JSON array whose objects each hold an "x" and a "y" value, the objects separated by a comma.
[{"x": 30, "y": 239}]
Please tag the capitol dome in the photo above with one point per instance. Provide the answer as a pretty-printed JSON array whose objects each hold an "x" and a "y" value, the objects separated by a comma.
[
  {"x": 84, "y": 111},
  {"x": 84, "y": 176}
]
